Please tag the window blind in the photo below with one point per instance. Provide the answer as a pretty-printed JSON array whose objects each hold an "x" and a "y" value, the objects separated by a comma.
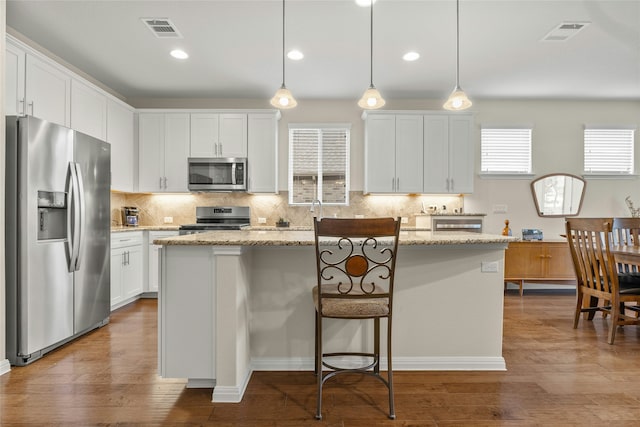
[
  {"x": 505, "y": 150},
  {"x": 608, "y": 151}
]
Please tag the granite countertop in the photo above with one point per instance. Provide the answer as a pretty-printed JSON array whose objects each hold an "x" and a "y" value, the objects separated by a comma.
[
  {"x": 450, "y": 214},
  {"x": 119, "y": 228},
  {"x": 292, "y": 237}
]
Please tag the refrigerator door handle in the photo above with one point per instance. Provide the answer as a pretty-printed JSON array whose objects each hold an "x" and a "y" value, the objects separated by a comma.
[
  {"x": 71, "y": 194},
  {"x": 74, "y": 219},
  {"x": 81, "y": 220}
]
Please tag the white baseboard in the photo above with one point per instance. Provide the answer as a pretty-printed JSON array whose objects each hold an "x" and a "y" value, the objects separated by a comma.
[
  {"x": 231, "y": 394},
  {"x": 399, "y": 364},
  {"x": 5, "y": 366},
  {"x": 200, "y": 383}
]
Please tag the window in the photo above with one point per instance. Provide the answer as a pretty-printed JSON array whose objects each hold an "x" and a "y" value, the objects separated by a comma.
[
  {"x": 319, "y": 163},
  {"x": 505, "y": 151},
  {"x": 608, "y": 151}
]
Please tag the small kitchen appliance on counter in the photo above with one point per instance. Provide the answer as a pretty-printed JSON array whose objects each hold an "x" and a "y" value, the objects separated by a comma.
[
  {"x": 131, "y": 215},
  {"x": 210, "y": 218}
]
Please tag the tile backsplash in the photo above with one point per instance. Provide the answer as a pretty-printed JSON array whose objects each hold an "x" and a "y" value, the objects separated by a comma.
[{"x": 154, "y": 208}]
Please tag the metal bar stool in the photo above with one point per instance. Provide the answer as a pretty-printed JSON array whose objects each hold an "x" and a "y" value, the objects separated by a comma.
[{"x": 356, "y": 261}]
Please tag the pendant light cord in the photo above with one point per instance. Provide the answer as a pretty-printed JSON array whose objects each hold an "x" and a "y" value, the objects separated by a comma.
[
  {"x": 457, "y": 43},
  {"x": 371, "y": 45},
  {"x": 283, "y": 43}
]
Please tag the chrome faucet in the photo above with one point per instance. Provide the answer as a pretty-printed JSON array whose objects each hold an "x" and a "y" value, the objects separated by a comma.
[{"x": 313, "y": 204}]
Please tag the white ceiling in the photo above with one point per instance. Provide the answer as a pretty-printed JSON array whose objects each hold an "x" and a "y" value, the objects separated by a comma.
[{"x": 235, "y": 47}]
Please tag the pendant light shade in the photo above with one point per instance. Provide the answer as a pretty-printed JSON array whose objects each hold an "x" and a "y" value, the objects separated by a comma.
[
  {"x": 458, "y": 100},
  {"x": 371, "y": 99},
  {"x": 283, "y": 98}
]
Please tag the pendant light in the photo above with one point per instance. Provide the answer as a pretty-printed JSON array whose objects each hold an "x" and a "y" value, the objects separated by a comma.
[
  {"x": 371, "y": 99},
  {"x": 283, "y": 98},
  {"x": 458, "y": 100}
]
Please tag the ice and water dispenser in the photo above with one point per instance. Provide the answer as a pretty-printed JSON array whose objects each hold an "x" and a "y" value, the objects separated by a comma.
[{"x": 52, "y": 215}]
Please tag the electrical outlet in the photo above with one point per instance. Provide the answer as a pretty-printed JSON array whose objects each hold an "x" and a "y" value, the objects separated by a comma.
[
  {"x": 489, "y": 266},
  {"x": 404, "y": 220},
  {"x": 262, "y": 220},
  {"x": 499, "y": 208},
  {"x": 168, "y": 220}
]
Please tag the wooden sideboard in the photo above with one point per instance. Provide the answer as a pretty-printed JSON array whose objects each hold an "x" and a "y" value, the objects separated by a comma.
[{"x": 538, "y": 261}]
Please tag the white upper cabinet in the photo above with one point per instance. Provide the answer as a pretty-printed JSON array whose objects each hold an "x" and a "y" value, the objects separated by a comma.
[
  {"x": 380, "y": 154},
  {"x": 448, "y": 153},
  {"x": 48, "y": 91},
  {"x": 393, "y": 153},
  {"x": 204, "y": 135},
  {"x": 176, "y": 152},
  {"x": 418, "y": 152},
  {"x": 218, "y": 135},
  {"x": 88, "y": 110},
  {"x": 233, "y": 135},
  {"x": 151, "y": 152},
  {"x": 14, "y": 80},
  {"x": 120, "y": 135},
  {"x": 409, "y": 167},
  {"x": 163, "y": 151},
  {"x": 461, "y": 154},
  {"x": 263, "y": 152}
]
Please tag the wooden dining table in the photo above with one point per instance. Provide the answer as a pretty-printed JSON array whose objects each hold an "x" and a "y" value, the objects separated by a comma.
[{"x": 626, "y": 254}]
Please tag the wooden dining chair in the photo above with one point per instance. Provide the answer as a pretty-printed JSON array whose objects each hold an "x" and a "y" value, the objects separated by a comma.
[
  {"x": 356, "y": 261},
  {"x": 596, "y": 273},
  {"x": 626, "y": 232}
]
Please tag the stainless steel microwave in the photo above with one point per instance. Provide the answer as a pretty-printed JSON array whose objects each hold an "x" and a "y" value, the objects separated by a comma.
[{"x": 217, "y": 174}]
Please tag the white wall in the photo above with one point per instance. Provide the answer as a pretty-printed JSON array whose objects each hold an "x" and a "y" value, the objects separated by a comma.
[
  {"x": 557, "y": 147},
  {"x": 557, "y": 140},
  {"x": 4, "y": 363}
]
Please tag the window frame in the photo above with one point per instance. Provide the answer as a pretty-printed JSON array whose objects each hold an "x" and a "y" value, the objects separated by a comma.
[{"x": 320, "y": 127}]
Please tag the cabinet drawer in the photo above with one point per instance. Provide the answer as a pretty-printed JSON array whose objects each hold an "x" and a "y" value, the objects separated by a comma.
[{"x": 125, "y": 239}]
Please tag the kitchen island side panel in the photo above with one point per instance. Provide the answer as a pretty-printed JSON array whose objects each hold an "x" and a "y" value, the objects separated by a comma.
[{"x": 444, "y": 307}]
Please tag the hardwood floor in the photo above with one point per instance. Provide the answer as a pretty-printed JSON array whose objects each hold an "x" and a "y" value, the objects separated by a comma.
[{"x": 556, "y": 376}]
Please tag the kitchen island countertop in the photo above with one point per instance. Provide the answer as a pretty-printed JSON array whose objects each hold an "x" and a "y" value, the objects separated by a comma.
[{"x": 305, "y": 237}]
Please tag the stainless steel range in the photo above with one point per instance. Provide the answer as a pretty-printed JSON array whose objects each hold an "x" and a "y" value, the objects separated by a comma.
[{"x": 210, "y": 218}]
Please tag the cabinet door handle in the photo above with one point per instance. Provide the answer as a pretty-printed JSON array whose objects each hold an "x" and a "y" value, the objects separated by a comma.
[
  {"x": 32, "y": 108},
  {"x": 452, "y": 186},
  {"x": 160, "y": 185},
  {"x": 123, "y": 259},
  {"x": 20, "y": 104},
  {"x": 165, "y": 183},
  {"x": 398, "y": 184}
]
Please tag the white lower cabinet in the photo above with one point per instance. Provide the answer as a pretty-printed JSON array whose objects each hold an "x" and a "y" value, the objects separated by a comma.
[
  {"x": 126, "y": 267},
  {"x": 154, "y": 251}
]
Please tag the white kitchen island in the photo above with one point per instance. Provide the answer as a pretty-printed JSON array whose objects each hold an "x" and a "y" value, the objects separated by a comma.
[{"x": 232, "y": 302}]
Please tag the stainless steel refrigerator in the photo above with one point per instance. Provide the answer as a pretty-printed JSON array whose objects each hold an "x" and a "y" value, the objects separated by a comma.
[{"x": 57, "y": 236}]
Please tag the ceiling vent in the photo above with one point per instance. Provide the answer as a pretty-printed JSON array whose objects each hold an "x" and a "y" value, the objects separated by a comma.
[
  {"x": 564, "y": 31},
  {"x": 162, "y": 28}
]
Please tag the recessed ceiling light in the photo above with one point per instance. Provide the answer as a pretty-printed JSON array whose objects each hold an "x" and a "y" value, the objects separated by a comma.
[
  {"x": 294, "y": 54},
  {"x": 179, "y": 54},
  {"x": 411, "y": 56},
  {"x": 365, "y": 3}
]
